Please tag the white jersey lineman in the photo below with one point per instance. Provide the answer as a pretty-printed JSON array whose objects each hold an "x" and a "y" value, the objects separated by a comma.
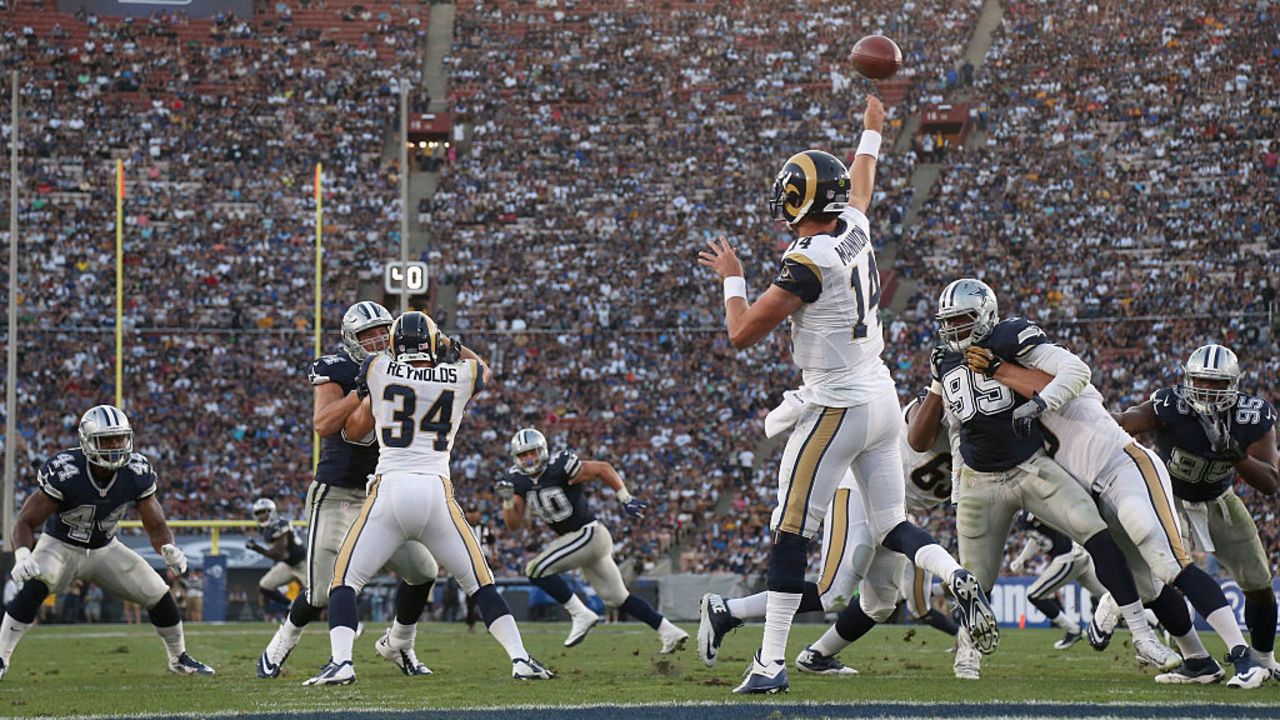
[
  {"x": 1131, "y": 482},
  {"x": 416, "y": 412}
]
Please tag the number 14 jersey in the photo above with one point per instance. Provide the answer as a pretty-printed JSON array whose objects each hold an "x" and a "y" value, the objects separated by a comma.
[
  {"x": 417, "y": 412},
  {"x": 552, "y": 496}
]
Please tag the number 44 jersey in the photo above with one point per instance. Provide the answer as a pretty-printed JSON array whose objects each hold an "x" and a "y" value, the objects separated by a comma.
[
  {"x": 552, "y": 496},
  {"x": 417, "y": 412},
  {"x": 88, "y": 512}
]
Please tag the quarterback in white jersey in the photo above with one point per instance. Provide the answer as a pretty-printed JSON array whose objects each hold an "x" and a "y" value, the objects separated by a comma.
[
  {"x": 1136, "y": 497},
  {"x": 414, "y": 402},
  {"x": 829, "y": 287}
]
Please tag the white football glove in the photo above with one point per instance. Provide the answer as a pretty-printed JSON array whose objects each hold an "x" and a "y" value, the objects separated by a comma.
[
  {"x": 174, "y": 558},
  {"x": 25, "y": 567},
  {"x": 1016, "y": 566}
]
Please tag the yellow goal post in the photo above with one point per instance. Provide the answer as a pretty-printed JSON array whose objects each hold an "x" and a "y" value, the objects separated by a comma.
[{"x": 216, "y": 526}]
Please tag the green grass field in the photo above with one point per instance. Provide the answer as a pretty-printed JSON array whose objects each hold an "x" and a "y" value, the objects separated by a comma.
[{"x": 120, "y": 670}]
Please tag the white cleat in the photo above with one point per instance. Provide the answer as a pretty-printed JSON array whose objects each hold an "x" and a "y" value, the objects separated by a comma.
[
  {"x": 968, "y": 661},
  {"x": 272, "y": 659},
  {"x": 673, "y": 638},
  {"x": 530, "y": 669},
  {"x": 1250, "y": 673},
  {"x": 403, "y": 657},
  {"x": 1152, "y": 652},
  {"x": 582, "y": 624},
  {"x": 343, "y": 673}
]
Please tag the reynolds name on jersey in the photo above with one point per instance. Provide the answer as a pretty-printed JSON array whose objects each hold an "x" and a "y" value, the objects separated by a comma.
[
  {"x": 984, "y": 406},
  {"x": 552, "y": 496},
  {"x": 88, "y": 513},
  {"x": 1199, "y": 473}
]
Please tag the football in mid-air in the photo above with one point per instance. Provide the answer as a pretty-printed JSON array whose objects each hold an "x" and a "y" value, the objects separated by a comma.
[{"x": 876, "y": 57}]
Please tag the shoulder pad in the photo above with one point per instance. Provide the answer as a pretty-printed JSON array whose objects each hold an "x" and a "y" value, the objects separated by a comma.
[
  {"x": 1014, "y": 337},
  {"x": 332, "y": 368},
  {"x": 569, "y": 463},
  {"x": 60, "y": 470}
]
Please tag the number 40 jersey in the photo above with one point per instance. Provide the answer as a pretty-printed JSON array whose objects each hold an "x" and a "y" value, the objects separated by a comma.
[
  {"x": 417, "y": 412},
  {"x": 552, "y": 496}
]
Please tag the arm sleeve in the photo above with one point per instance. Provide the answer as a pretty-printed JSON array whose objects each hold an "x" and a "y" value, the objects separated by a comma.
[
  {"x": 572, "y": 465},
  {"x": 1070, "y": 374},
  {"x": 800, "y": 276}
]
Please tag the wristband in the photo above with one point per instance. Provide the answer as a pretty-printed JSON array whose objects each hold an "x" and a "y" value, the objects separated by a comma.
[
  {"x": 735, "y": 286},
  {"x": 624, "y": 497},
  {"x": 936, "y": 388},
  {"x": 870, "y": 144}
]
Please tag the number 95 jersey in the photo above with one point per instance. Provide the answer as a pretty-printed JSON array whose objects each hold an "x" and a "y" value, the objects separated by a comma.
[
  {"x": 1198, "y": 472},
  {"x": 87, "y": 512},
  {"x": 417, "y": 411},
  {"x": 552, "y": 496}
]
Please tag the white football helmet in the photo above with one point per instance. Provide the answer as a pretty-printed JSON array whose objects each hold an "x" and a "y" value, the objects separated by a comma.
[
  {"x": 264, "y": 511},
  {"x": 967, "y": 312},
  {"x": 358, "y": 318},
  {"x": 99, "y": 424},
  {"x": 1213, "y": 363},
  {"x": 524, "y": 441}
]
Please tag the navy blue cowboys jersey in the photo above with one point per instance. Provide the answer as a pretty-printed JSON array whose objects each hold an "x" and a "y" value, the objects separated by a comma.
[
  {"x": 985, "y": 406},
  {"x": 563, "y": 506},
  {"x": 88, "y": 513},
  {"x": 343, "y": 463},
  {"x": 1199, "y": 473},
  {"x": 1054, "y": 542},
  {"x": 295, "y": 551}
]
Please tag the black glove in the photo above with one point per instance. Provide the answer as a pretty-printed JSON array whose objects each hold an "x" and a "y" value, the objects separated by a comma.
[
  {"x": 362, "y": 377},
  {"x": 1218, "y": 433},
  {"x": 935, "y": 362},
  {"x": 981, "y": 360},
  {"x": 453, "y": 353},
  {"x": 1026, "y": 414}
]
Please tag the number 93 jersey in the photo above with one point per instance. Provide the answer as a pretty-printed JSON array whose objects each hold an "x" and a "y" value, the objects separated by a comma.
[
  {"x": 836, "y": 337},
  {"x": 1198, "y": 473},
  {"x": 87, "y": 512},
  {"x": 417, "y": 411},
  {"x": 552, "y": 496},
  {"x": 984, "y": 406}
]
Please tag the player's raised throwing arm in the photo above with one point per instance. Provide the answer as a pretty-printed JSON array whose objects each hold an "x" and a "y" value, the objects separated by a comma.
[{"x": 862, "y": 176}]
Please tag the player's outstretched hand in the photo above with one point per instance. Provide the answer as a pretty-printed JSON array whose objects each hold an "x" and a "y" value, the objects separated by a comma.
[
  {"x": 873, "y": 117},
  {"x": 174, "y": 558},
  {"x": 1026, "y": 414},
  {"x": 505, "y": 490},
  {"x": 634, "y": 507},
  {"x": 719, "y": 256}
]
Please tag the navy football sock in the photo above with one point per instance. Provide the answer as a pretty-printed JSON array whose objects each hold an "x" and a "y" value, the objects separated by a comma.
[
  {"x": 642, "y": 611},
  {"x": 411, "y": 600},
  {"x": 1113, "y": 571},
  {"x": 342, "y": 608},
  {"x": 555, "y": 586},
  {"x": 26, "y": 604},
  {"x": 1260, "y": 617},
  {"x": 1171, "y": 610},
  {"x": 275, "y": 596},
  {"x": 1049, "y": 606},
  {"x": 810, "y": 600},
  {"x": 941, "y": 621},
  {"x": 301, "y": 613}
]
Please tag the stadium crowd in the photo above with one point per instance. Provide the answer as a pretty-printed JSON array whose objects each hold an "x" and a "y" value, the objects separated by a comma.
[{"x": 607, "y": 145}]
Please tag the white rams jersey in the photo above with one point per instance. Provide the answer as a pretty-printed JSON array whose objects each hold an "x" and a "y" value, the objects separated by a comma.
[
  {"x": 931, "y": 474},
  {"x": 417, "y": 412},
  {"x": 1089, "y": 441},
  {"x": 836, "y": 335}
]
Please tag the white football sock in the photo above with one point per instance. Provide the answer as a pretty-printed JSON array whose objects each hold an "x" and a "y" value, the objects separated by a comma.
[
  {"x": 780, "y": 611},
  {"x": 1135, "y": 616},
  {"x": 504, "y": 630},
  {"x": 341, "y": 638},
  {"x": 830, "y": 643},
  {"x": 1190, "y": 646},
  {"x": 575, "y": 606},
  {"x": 289, "y": 633},
  {"x": 933, "y": 558},
  {"x": 11, "y": 631},
  {"x": 403, "y": 635},
  {"x": 174, "y": 644},
  {"x": 1223, "y": 621},
  {"x": 750, "y": 607},
  {"x": 1066, "y": 623}
]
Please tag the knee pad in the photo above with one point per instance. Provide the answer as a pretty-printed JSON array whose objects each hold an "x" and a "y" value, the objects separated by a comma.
[
  {"x": 861, "y": 561},
  {"x": 492, "y": 606},
  {"x": 26, "y": 604},
  {"x": 874, "y": 608},
  {"x": 164, "y": 613},
  {"x": 787, "y": 562}
]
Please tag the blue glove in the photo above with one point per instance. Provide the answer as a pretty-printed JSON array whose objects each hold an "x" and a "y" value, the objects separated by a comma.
[
  {"x": 634, "y": 507},
  {"x": 1026, "y": 414}
]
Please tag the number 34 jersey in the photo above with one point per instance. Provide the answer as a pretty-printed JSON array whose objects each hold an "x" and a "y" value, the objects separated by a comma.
[
  {"x": 88, "y": 512},
  {"x": 417, "y": 412},
  {"x": 552, "y": 496}
]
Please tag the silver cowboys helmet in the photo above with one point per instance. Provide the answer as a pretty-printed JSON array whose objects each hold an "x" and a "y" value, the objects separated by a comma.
[
  {"x": 358, "y": 318},
  {"x": 524, "y": 441},
  {"x": 264, "y": 511},
  {"x": 99, "y": 424},
  {"x": 967, "y": 312},
  {"x": 1213, "y": 363}
]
